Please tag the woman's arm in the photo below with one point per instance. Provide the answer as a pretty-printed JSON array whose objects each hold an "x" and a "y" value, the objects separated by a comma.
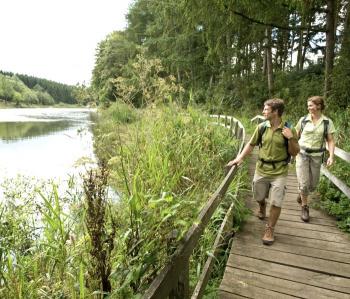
[{"x": 331, "y": 147}]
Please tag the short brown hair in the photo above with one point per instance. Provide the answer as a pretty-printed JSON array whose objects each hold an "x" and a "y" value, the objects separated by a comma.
[
  {"x": 276, "y": 104},
  {"x": 317, "y": 100}
]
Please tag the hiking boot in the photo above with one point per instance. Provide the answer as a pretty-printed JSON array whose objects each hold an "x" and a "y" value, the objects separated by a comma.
[
  {"x": 262, "y": 211},
  {"x": 268, "y": 238},
  {"x": 299, "y": 199},
  {"x": 305, "y": 213}
]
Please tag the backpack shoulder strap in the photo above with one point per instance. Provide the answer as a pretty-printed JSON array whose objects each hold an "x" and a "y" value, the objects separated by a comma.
[
  {"x": 286, "y": 124},
  {"x": 302, "y": 125},
  {"x": 325, "y": 128},
  {"x": 261, "y": 130}
]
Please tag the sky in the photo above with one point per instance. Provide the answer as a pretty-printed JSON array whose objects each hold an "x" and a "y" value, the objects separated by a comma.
[{"x": 56, "y": 39}]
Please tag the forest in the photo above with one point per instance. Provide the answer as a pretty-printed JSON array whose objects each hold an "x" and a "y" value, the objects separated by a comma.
[
  {"x": 231, "y": 53},
  {"x": 19, "y": 90}
]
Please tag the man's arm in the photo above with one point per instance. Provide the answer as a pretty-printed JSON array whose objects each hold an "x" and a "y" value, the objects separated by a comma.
[
  {"x": 239, "y": 159},
  {"x": 293, "y": 145}
]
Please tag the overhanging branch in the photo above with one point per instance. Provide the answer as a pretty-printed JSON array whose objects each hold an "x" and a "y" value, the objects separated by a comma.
[{"x": 314, "y": 29}]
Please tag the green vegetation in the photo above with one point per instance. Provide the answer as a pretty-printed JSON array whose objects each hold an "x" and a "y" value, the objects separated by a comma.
[
  {"x": 332, "y": 199},
  {"x": 165, "y": 162},
  {"x": 175, "y": 62},
  {"x": 230, "y": 56},
  {"x": 22, "y": 90}
]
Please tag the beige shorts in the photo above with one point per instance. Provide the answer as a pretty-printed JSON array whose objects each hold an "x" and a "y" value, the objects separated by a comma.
[
  {"x": 272, "y": 188},
  {"x": 308, "y": 172}
]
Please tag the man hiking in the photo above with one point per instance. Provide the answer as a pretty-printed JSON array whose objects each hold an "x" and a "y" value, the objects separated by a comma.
[{"x": 277, "y": 143}]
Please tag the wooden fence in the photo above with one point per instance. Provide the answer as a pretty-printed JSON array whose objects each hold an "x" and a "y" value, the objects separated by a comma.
[{"x": 173, "y": 280}]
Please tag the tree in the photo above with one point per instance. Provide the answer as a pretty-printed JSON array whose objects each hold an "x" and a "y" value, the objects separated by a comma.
[
  {"x": 112, "y": 55},
  {"x": 341, "y": 92},
  {"x": 145, "y": 82},
  {"x": 330, "y": 45}
]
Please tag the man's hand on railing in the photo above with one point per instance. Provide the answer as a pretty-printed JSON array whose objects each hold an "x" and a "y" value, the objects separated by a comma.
[{"x": 236, "y": 161}]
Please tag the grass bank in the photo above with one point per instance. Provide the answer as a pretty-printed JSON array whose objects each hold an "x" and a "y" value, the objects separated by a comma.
[{"x": 164, "y": 163}]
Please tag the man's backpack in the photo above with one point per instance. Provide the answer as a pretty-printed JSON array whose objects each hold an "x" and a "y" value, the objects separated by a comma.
[
  {"x": 261, "y": 131},
  {"x": 324, "y": 136}
]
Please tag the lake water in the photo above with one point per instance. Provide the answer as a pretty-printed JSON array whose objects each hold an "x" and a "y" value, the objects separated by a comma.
[{"x": 46, "y": 143}]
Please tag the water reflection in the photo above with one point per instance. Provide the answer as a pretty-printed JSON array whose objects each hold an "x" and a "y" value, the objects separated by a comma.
[
  {"x": 47, "y": 143},
  {"x": 12, "y": 131}
]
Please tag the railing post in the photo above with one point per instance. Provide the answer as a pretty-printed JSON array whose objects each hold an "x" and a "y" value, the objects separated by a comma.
[
  {"x": 236, "y": 129},
  {"x": 240, "y": 133},
  {"x": 231, "y": 127},
  {"x": 183, "y": 285}
]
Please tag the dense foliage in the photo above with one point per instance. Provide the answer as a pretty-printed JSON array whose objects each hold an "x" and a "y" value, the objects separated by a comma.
[
  {"x": 233, "y": 52},
  {"x": 230, "y": 56},
  {"x": 28, "y": 90}
]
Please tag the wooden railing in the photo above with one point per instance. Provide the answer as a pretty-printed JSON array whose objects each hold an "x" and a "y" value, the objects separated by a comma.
[
  {"x": 173, "y": 280},
  {"x": 345, "y": 156}
]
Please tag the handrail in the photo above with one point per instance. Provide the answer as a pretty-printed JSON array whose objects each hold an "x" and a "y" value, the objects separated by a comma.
[
  {"x": 337, "y": 152},
  {"x": 234, "y": 125},
  {"x": 173, "y": 280}
]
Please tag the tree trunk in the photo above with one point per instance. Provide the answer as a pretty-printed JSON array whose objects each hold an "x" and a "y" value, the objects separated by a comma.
[
  {"x": 306, "y": 45},
  {"x": 300, "y": 48},
  {"x": 292, "y": 48},
  {"x": 264, "y": 61},
  {"x": 345, "y": 42},
  {"x": 178, "y": 75},
  {"x": 330, "y": 44},
  {"x": 269, "y": 61}
]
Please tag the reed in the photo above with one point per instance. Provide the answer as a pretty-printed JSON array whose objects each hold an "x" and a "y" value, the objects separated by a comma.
[{"x": 165, "y": 162}]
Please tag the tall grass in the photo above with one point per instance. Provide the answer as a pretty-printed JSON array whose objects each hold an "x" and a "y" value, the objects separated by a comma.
[{"x": 164, "y": 164}]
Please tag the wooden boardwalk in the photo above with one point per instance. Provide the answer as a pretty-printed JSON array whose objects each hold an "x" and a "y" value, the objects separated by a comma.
[{"x": 307, "y": 260}]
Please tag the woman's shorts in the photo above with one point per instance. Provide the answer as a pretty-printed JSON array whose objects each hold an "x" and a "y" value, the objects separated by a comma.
[{"x": 308, "y": 172}]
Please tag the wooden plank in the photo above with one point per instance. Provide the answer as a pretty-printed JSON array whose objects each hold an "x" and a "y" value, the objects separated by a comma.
[
  {"x": 316, "y": 214},
  {"x": 293, "y": 274},
  {"x": 297, "y": 240},
  {"x": 300, "y": 225},
  {"x": 310, "y": 234},
  {"x": 311, "y": 227},
  {"x": 290, "y": 246},
  {"x": 293, "y": 260},
  {"x": 224, "y": 234},
  {"x": 227, "y": 295},
  {"x": 339, "y": 183},
  {"x": 282, "y": 286},
  {"x": 318, "y": 221},
  {"x": 258, "y": 119},
  {"x": 248, "y": 290},
  {"x": 253, "y": 205},
  {"x": 293, "y": 191},
  {"x": 342, "y": 154}
]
